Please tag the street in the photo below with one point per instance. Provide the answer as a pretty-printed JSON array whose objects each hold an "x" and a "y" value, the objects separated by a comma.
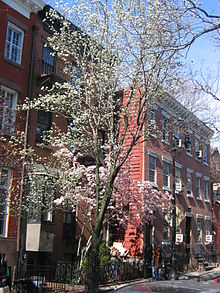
[{"x": 180, "y": 286}]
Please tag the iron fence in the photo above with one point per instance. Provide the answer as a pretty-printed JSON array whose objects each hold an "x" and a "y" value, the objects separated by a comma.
[{"x": 42, "y": 279}]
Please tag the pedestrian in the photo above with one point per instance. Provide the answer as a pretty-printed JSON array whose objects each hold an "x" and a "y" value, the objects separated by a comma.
[
  {"x": 154, "y": 276},
  {"x": 3, "y": 270},
  {"x": 158, "y": 265}
]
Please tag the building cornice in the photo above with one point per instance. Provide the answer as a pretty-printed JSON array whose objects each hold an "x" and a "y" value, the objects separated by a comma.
[
  {"x": 25, "y": 7},
  {"x": 177, "y": 110}
]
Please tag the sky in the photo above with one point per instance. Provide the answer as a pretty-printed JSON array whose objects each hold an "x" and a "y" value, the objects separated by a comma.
[{"x": 203, "y": 55}]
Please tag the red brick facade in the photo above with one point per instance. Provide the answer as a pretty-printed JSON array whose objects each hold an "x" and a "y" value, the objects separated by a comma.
[{"x": 194, "y": 207}]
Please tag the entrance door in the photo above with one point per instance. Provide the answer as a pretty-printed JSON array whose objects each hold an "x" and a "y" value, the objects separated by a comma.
[{"x": 188, "y": 237}]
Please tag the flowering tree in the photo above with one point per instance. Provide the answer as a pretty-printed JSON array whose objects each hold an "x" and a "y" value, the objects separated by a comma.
[{"x": 120, "y": 44}]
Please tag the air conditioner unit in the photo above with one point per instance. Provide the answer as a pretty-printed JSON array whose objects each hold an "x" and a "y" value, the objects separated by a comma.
[
  {"x": 179, "y": 238},
  {"x": 199, "y": 154},
  {"x": 209, "y": 238},
  {"x": 178, "y": 143},
  {"x": 179, "y": 186}
]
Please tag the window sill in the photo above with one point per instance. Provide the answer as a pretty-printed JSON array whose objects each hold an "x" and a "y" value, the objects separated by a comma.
[
  {"x": 199, "y": 198},
  {"x": 166, "y": 188},
  {"x": 42, "y": 145},
  {"x": 198, "y": 159},
  {"x": 165, "y": 141},
  {"x": 154, "y": 184},
  {"x": 207, "y": 201},
  {"x": 178, "y": 191},
  {"x": 190, "y": 195},
  {"x": 190, "y": 155},
  {"x": 205, "y": 163},
  {"x": 20, "y": 66},
  {"x": 166, "y": 242},
  {"x": 153, "y": 135},
  {"x": 9, "y": 134}
]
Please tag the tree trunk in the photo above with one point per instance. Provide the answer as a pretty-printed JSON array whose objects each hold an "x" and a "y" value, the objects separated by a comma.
[{"x": 92, "y": 266}]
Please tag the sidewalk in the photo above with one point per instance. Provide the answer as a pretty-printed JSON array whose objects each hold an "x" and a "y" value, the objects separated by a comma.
[{"x": 204, "y": 275}]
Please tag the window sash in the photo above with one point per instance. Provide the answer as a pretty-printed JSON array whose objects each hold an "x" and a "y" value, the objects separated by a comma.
[
  {"x": 152, "y": 169},
  {"x": 205, "y": 153},
  {"x": 166, "y": 171},
  {"x": 43, "y": 124},
  {"x": 165, "y": 129},
  {"x": 189, "y": 183},
  {"x": 14, "y": 43},
  {"x": 8, "y": 110},
  {"x": 197, "y": 144},
  {"x": 48, "y": 61},
  {"x": 206, "y": 190},
  {"x": 199, "y": 230},
  {"x": 198, "y": 187},
  {"x": 5, "y": 176},
  {"x": 207, "y": 227}
]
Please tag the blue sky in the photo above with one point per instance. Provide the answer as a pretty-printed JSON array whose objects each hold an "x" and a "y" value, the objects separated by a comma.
[{"x": 204, "y": 52}]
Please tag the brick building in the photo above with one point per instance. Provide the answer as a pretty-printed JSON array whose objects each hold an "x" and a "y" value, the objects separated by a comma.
[
  {"x": 17, "y": 20},
  {"x": 215, "y": 176},
  {"x": 25, "y": 65},
  {"x": 154, "y": 160}
]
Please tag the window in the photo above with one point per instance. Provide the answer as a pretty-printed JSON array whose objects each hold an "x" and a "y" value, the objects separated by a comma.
[
  {"x": 206, "y": 183},
  {"x": 178, "y": 179},
  {"x": 43, "y": 125},
  {"x": 76, "y": 74},
  {"x": 8, "y": 109},
  {"x": 152, "y": 116},
  {"x": 5, "y": 176},
  {"x": 189, "y": 146},
  {"x": 198, "y": 187},
  {"x": 197, "y": 144},
  {"x": 152, "y": 169},
  {"x": 205, "y": 153},
  {"x": 14, "y": 43},
  {"x": 199, "y": 230},
  {"x": 166, "y": 174},
  {"x": 165, "y": 133},
  {"x": 48, "y": 62},
  {"x": 40, "y": 198},
  {"x": 176, "y": 131},
  {"x": 207, "y": 227},
  {"x": 189, "y": 183}
]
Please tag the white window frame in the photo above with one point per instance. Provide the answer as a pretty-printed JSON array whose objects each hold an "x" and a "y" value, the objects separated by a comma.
[
  {"x": 205, "y": 153},
  {"x": 206, "y": 189},
  {"x": 189, "y": 191},
  {"x": 5, "y": 217},
  {"x": 178, "y": 177},
  {"x": 197, "y": 143},
  {"x": 154, "y": 158},
  {"x": 208, "y": 226},
  {"x": 167, "y": 175},
  {"x": 12, "y": 47},
  {"x": 198, "y": 187},
  {"x": 199, "y": 221},
  {"x": 189, "y": 148},
  {"x": 176, "y": 131},
  {"x": 6, "y": 94},
  {"x": 165, "y": 129}
]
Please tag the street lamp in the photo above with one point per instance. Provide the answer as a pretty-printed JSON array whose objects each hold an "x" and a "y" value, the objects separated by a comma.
[{"x": 187, "y": 143}]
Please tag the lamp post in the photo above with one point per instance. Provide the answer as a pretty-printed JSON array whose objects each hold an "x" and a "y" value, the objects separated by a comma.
[
  {"x": 187, "y": 143},
  {"x": 173, "y": 244}
]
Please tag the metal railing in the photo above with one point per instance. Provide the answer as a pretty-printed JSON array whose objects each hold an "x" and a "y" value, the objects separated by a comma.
[{"x": 39, "y": 279}]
